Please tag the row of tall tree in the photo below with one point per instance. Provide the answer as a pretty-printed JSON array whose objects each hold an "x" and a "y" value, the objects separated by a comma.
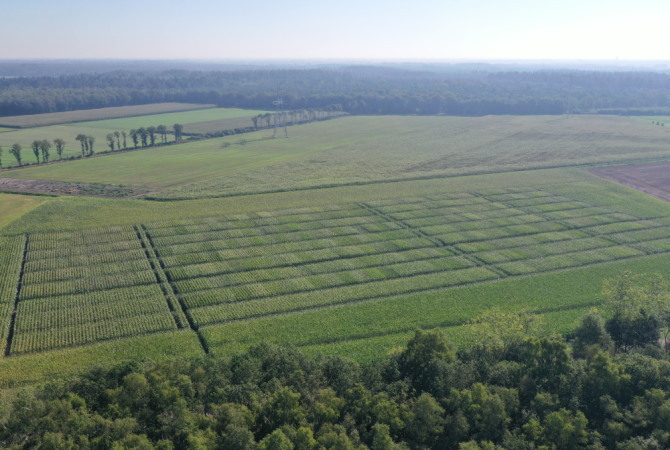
[
  {"x": 145, "y": 136},
  {"x": 300, "y": 115},
  {"x": 42, "y": 148}
]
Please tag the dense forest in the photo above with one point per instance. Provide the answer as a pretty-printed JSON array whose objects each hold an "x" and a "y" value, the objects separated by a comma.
[
  {"x": 358, "y": 89},
  {"x": 516, "y": 388}
]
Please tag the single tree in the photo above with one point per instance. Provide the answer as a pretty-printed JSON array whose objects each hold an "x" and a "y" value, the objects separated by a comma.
[
  {"x": 45, "y": 146},
  {"x": 152, "y": 135},
  {"x": 0, "y": 156},
  {"x": 162, "y": 130},
  {"x": 91, "y": 141},
  {"x": 81, "y": 139},
  {"x": 16, "y": 151},
  {"x": 110, "y": 141},
  {"x": 254, "y": 119},
  {"x": 117, "y": 135},
  {"x": 36, "y": 150},
  {"x": 123, "y": 133},
  {"x": 60, "y": 146},
  {"x": 178, "y": 130},
  {"x": 134, "y": 135},
  {"x": 144, "y": 134},
  {"x": 268, "y": 118}
]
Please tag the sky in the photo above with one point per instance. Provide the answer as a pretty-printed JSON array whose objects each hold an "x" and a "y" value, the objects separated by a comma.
[{"x": 417, "y": 30}]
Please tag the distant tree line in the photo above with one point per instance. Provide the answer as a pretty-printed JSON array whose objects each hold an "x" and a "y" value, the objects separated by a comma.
[{"x": 358, "y": 89}]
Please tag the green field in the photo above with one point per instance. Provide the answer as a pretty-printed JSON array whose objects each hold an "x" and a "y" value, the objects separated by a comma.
[
  {"x": 14, "y": 206},
  {"x": 349, "y": 270},
  {"x": 41, "y": 120},
  {"x": 355, "y": 150},
  {"x": 100, "y": 128}
]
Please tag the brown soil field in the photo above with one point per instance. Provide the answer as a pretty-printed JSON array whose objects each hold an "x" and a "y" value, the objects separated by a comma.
[
  {"x": 650, "y": 178},
  {"x": 68, "y": 188},
  {"x": 40, "y": 120}
]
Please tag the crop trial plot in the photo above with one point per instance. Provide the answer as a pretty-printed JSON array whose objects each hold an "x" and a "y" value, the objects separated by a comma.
[{"x": 73, "y": 288}]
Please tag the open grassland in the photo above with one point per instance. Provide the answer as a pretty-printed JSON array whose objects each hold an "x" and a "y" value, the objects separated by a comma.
[
  {"x": 14, "y": 206},
  {"x": 357, "y": 150},
  {"x": 41, "y": 120}
]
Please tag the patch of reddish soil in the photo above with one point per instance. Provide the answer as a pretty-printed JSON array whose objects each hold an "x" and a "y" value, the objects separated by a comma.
[
  {"x": 650, "y": 178},
  {"x": 61, "y": 187}
]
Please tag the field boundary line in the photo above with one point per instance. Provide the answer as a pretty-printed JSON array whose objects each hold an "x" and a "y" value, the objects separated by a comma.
[
  {"x": 12, "y": 320},
  {"x": 416, "y": 231},
  {"x": 400, "y": 180},
  {"x": 168, "y": 290}
]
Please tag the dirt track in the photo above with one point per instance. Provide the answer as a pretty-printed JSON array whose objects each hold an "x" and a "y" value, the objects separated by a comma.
[{"x": 650, "y": 178}]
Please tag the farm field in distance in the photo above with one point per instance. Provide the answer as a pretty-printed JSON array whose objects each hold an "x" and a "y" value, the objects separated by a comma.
[
  {"x": 353, "y": 277},
  {"x": 360, "y": 149},
  {"x": 40, "y": 120},
  {"x": 100, "y": 128},
  {"x": 483, "y": 213}
]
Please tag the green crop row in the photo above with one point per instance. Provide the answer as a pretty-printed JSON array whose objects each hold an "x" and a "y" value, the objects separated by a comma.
[
  {"x": 274, "y": 228},
  {"x": 85, "y": 260},
  {"x": 499, "y": 233},
  {"x": 100, "y": 270},
  {"x": 256, "y": 234},
  {"x": 651, "y": 247},
  {"x": 404, "y": 200},
  {"x": 301, "y": 245},
  {"x": 87, "y": 285},
  {"x": 137, "y": 294},
  {"x": 604, "y": 219},
  {"x": 463, "y": 210},
  {"x": 431, "y": 204},
  {"x": 329, "y": 260},
  {"x": 82, "y": 234},
  {"x": 562, "y": 291},
  {"x": 287, "y": 254},
  {"x": 83, "y": 240},
  {"x": 91, "y": 332},
  {"x": 442, "y": 219},
  {"x": 69, "y": 252},
  {"x": 255, "y": 308},
  {"x": 11, "y": 257},
  {"x": 316, "y": 276},
  {"x": 254, "y": 215},
  {"x": 536, "y": 251},
  {"x": 569, "y": 260},
  {"x": 27, "y": 321}
]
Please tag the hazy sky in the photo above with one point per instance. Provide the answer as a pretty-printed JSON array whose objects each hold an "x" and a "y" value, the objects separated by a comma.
[{"x": 336, "y": 29}]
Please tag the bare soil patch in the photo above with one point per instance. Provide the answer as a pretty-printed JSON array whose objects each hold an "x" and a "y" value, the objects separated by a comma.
[
  {"x": 650, "y": 178},
  {"x": 68, "y": 188}
]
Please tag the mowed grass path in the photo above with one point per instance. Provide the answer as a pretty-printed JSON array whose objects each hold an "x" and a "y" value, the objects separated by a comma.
[{"x": 14, "y": 206}]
